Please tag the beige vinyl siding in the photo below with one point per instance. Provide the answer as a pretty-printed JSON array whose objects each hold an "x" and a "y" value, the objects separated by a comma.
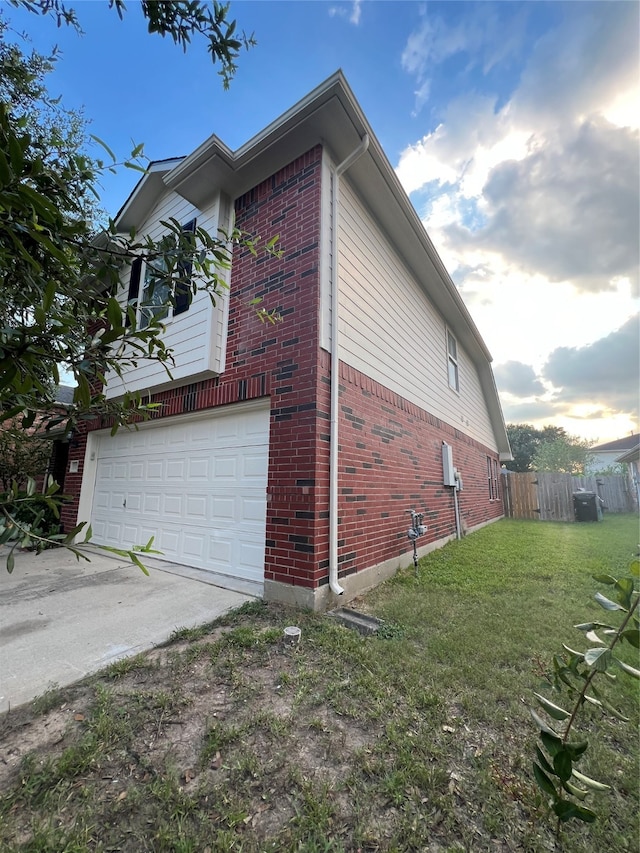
[
  {"x": 197, "y": 336},
  {"x": 390, "y": 331}
]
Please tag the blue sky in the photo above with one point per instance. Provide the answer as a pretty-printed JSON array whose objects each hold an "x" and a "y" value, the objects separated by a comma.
[{"x": 513, "y": 127}]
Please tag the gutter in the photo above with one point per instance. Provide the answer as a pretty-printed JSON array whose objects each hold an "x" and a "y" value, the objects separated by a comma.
[{"x": 335, "y": 379}]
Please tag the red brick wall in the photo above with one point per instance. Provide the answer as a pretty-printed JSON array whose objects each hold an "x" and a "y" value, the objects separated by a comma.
[{"x": 390, "y": 461}]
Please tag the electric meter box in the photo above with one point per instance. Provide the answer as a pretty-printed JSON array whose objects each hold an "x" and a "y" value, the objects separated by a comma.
[{"x": 449, "y": 472}]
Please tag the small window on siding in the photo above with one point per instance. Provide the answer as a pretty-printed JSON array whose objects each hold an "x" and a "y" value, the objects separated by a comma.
[
  {"x": 151, "y": 295},
  {"x": 156, "y": 293},
  {"x": 183, "y": 294},
  {"x": 452, "y": 362}
]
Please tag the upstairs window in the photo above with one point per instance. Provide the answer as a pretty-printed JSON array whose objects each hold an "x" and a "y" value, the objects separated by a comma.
[
  {"x": 156, "y": 293},
  {"x": 452, "y": 362},
  {"x": 150, "y": 292}
]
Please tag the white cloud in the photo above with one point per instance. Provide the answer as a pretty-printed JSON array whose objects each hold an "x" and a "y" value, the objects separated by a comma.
[
  {"x": 353, "y": 14},
  {"x": 554, "y": 181},
  {"x": 606, "y": 369},
  {"x": 532, "y": 201},
  {"x": 479, "y": 35}
]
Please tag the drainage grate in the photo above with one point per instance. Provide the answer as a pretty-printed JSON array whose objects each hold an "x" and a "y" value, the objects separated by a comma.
[{"x": 360, "y": 622}]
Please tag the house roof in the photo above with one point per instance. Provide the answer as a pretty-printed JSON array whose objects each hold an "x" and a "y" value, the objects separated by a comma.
[
  {"x": 64, "y": 394},
  {"x": 632, "y": 455},
  {"x": 330, "y": 116},
  {"x": 620, "y": 444}
]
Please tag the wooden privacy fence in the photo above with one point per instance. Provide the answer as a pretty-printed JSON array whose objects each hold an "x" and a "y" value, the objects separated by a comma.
[{"x": 549, "y": 497}]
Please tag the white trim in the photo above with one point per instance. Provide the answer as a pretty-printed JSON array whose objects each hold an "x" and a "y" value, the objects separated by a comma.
[{"x": 326, "y": 251}]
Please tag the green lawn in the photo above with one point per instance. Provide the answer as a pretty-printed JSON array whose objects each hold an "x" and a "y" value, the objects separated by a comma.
[{"x": 418, "y": 739}]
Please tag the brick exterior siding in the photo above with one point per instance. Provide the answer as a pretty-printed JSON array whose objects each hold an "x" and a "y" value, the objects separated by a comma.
[
  {"x": 390, "y": 461},
  {"x": 390, "y": 455}
]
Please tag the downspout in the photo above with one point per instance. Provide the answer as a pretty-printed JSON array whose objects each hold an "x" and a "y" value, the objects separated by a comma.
[{"x": 335, "y": 379}]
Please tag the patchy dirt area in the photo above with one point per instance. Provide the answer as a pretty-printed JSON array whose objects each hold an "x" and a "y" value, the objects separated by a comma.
[{"x": 231, "y": 739}]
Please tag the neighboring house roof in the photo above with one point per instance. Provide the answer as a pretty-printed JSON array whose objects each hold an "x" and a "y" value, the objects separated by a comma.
[
  {"x": 330, "y": 116},
  {"x": 64, "y": 394},
  {"x": 620, "y": 445},
  {"x": 632, "y": 455}
]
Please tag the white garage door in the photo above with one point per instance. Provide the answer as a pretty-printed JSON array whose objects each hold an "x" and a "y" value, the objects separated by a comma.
[{"x": 198, "y": 486}]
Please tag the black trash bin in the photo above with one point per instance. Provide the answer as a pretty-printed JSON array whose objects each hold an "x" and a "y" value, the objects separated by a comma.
[{"x": 587, "y": 506}]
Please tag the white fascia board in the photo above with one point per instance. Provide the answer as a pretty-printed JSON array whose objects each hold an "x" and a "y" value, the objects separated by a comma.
[{"x": 144, "y": 195}]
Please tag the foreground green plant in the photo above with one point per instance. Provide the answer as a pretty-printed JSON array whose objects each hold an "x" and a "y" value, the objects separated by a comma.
[{"x": 574, "y": 673}]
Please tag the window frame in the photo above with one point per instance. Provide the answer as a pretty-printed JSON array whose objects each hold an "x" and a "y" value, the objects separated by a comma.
[
  {"x": 140, "y": 277},
  {"x": 453, "y": 361}
]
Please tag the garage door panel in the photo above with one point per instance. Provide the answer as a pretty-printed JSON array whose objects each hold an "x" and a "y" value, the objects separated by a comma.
[
  {"x": 254, "y": 467},
  {"x": 172, "y": 505},
  {"x": 198, "y": 468},
  {"x": 198, "y": 487},
  {"x": 196, "y": 507},
  {"x": 176, "y": 469},
  {"x": 134, "y": 501},
  {"x": 116, "y": 500},
  {"x": 136, "y": 471},
  {"x": 155, "y": 469},
  {"x": 225, "y": 467},
  {"x": 253, "y": 508},
  {"x": 151, "y": 504}
]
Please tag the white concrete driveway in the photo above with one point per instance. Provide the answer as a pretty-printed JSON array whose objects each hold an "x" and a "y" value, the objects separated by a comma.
[{"x": 61, "y": 619}]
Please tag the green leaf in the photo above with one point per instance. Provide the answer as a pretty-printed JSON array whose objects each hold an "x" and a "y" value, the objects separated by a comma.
[
  {"x": 575, "y": 750},
  {"x": 592, "y": 626},
  {"x": 632, "y": 635},
  {"x": 135, "y": 559},
  {"x": 573, "y": 652},
  {"x": 49, "y": 295},
  {"x": 605, "y": 602},
  {"x": 598, "y": 659},
  {"x": 544, "y": 728},
  {"x": 580, "y": 793},
  {"x": 562, "y": 764},
  {"x": 10, "y": 562},
  {"x": 610, "y": 709},
  {"x": 543, "y": 762},
  {"x": 608, "y": 579},
  {"x": 593, "y": 637},
  {"x": 566, "y": 810},
  {"x": 103, "y": 145},
  {"x": 544, "y": 783},
  {"x": 114, "y": 313},
  {"x": 625, "y": 591},
  {"x": 554, "y": 711},
  {"x": 634, "y": 568},
  {"x": 552, "y": 743},
  {"x": 590, "y": 783},
  {"x": 630, "y": 670}
]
